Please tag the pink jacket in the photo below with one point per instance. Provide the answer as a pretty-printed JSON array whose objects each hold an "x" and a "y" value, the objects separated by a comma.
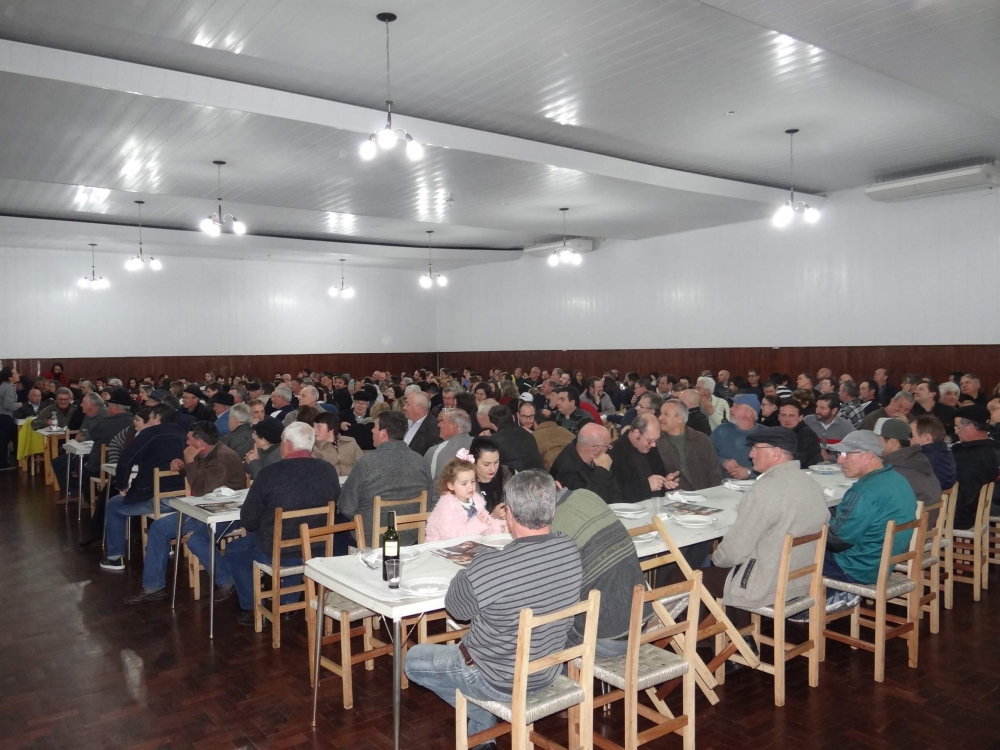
[{"x": 450, "y": 519}]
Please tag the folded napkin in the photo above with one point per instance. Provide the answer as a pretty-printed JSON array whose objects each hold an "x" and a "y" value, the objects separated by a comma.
[
  {"x": 685, "y": 497},
  {"x": 829, "y": 492},
  {"x": 222, "y": 492}
]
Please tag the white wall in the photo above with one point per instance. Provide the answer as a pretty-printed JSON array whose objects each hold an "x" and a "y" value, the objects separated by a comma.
[
  {"x": 203, "y": 306},
  {"x": 924, "y": 271}
]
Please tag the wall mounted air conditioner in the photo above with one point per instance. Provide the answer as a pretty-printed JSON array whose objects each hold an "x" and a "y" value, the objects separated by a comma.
[
  {"x": 579, "y": 245},
  {"x": 967, "y": 178}
]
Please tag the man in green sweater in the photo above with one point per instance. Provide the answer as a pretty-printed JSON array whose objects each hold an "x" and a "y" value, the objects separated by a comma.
[{"x": 857, "y": 531}]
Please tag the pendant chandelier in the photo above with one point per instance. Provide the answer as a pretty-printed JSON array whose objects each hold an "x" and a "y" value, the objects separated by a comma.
[
  {"x": 343, "y": 291},
  {"x": 385, "y": 138},
  {"x": 94, "y": 282},
  {"x": 566, "y": 255},
  {"x": 431, "y": 277},
  {"x": 784, "y": 215},
  {"x": 217, "y": 220},
  {"x": 138, "y": 262}
]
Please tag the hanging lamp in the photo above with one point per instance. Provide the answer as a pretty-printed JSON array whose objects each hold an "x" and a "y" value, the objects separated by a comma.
[
  {"x": 94, "y": 282},
  {"x": 138, "y": 262},
  {"x": 217, "y": 219},
  {"x": 784, "y": 215},
  {"x": 431, "y": 277},
  {"x": 343, "y": 291}
]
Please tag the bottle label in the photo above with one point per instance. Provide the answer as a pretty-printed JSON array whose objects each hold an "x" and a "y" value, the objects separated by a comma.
[{"x": 391, "y": 549}]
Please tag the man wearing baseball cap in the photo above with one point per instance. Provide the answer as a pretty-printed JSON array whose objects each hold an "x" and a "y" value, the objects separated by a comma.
[
  {"x": 975, "y": 460},
  {"x": 909, "y": 460},
  {"x": 857, "y": 530},
  {"x": 731, "y": 438}
]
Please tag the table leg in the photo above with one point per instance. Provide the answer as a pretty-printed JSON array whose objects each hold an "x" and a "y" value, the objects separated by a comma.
[
  {"x": 47, "y": 460},
  {"x": 211, "y": 581},
  {"x": 177, "y": 558},
  {"x": 79, "y": 489},
  {"x": 69, "y": 464},
  {"x": 397, "y": 679},
  {"x": 321, "y": 598}
]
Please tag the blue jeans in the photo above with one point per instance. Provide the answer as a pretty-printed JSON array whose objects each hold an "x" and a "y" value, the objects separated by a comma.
[
  {"x": 238, "y": 564},
  {"x": 164, "y": 530},
  {"x": 117, "y": 516},
  {"x": 442, "y": 669}
]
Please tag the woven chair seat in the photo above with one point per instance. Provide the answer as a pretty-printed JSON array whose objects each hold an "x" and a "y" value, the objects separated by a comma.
[
  {"x": 337, "y": 604},
  {"x": 656, "y": 665},
  {"x": 898, "y": 585},
  {"x": 793, "y": 607},
  {"x": 675, "y": 605},
  {"x": 994, "y": 519},
  {"x": 291, "y": 570},
  {"x": 560, "y": 695},
  {"x": 969, "y": 533},
  {"x": 929, "y": 559}
]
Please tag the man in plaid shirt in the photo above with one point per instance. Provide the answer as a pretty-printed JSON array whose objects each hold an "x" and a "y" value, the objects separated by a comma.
[{"x": 851, "y": 407}]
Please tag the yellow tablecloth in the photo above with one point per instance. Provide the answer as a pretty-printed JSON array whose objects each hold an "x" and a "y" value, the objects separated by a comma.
[{"x": 29, "y": 442}]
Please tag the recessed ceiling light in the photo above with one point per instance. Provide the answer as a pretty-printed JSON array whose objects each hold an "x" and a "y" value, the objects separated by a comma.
[{"x": 730, "y": 112}]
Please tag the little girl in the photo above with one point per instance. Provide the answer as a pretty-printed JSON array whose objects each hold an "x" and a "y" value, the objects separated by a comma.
[{"x": 460, "y": 510}]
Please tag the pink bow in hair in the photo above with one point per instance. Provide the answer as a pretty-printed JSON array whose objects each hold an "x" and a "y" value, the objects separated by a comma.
[{"x": 464, "y": 455}]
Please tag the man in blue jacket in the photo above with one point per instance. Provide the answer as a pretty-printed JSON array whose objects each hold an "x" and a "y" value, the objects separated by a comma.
[{"x": 154, "y": 448}]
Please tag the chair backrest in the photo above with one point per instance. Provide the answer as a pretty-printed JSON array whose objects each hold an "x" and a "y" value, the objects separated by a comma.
[
  {"x": 814, "y": 569},
  {"x": 983, "y": 509},
  {"x": 525, "y": 667},
  {"x": 159, "y": 494},
  {"x": 671, "y": 556},
  {"x": 948, "y": 500},
  {"x": 664, "y": 626},
  {"x": 912, "y": 557},
  {"x": 379, "y": 505},
  {"x": 325, "y": 534},
  {"x": 278, "y": 543},
  {"x": 417, "y": 521}
]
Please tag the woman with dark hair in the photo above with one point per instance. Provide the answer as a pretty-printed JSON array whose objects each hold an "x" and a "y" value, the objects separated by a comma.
[
  {"x": 491, "y": 477},
  {"x": 467, "y": 403},
  {"x": 482, "y": 391},
  {"x": 56, "y": 373},
  {"x": 8, "y": 404},
  {"x": 580, "y": 380}
]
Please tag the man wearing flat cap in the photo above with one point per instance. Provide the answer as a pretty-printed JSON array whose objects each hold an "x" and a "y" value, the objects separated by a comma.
[
  {"x": 355, "y": 422},
  {"x": 975, "y": 461},
  {"x": 783, "y": 500},
  {"x": 192, "y": 406},
  {"x": 221, "y": 403},
  {"x": 857, "y": 530}
]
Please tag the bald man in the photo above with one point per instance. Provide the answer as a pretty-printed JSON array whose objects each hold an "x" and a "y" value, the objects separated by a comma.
[
  {"x": 585, "y": 464},
  {"x": 421, "y": 433},
  {"x": 697, "y": 419}
]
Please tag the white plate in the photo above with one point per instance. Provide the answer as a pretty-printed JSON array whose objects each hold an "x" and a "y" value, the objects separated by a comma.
[
  {"x": 405, "y": 554},
  {"x": 846, "y": 484},
  {"x": 694, "y": 522},
  {"x": 652, "y": 535},
  {"x": 424, "y": 585},
  {"x": 496, "y": 540},
  {"x": 826, "y": 468},
  {"x": 627, "y": 510}
]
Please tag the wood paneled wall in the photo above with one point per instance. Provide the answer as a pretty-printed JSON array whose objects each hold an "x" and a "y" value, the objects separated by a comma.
[{"x": 859, "y": 361}]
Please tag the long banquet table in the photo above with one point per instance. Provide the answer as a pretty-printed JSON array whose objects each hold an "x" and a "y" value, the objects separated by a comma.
[{"x": 349, "y": 577}]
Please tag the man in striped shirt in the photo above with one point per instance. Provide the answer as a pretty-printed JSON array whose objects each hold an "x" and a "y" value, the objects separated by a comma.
[{"x": 539, "y": 569}]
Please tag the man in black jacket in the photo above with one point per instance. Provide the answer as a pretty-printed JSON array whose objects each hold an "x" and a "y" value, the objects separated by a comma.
[
  {"x": 355, "y": 423},
  {"x": 790, "y": 416},
  {"x": 585, "y": 464},
  {"x": 697, "y": 419},
  {"x": 191, "y": 405},
  {"x": 518, "y": 449},
  {"x": 975, "y": 461},
  {"x": 632, "y": 463},
  {"x": 422, "y": 430}
]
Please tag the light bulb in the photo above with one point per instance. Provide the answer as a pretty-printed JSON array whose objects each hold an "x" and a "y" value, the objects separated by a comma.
[
  {"x": 426, "y": 282},
  {"x": 811, "y": 215},
  {"x": 554, "y": 260},
  {"x": 783, "y": 216},
  {"x": 133, "y": 264},
  {"x": 103, "y": 283},
  {"x": 577, "y": 259},
  {"x": 208, "y": 227},
  {"x": 155, "y": 264},
  {"x": 414, "y": 150},
  {"x": 368, "y": 150},
  {"x": 566, "y": 255},
  {"x": 348, "y": 293},
  {"x": 239, "y": 227},
  {"x": 83, "y": 283},
  {"x": 385, "y": 138},
  {"x": 333, "y": 291},
  {"x": 442, "y": 280}
]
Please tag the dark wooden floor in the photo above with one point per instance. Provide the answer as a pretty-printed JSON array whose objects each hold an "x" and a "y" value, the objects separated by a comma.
[{"x": 79, "y": 669}]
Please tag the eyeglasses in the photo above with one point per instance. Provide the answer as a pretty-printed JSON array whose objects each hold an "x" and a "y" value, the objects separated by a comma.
[
  {"x": 601, "y": 447},
  {"x": 651, "y": 443}
]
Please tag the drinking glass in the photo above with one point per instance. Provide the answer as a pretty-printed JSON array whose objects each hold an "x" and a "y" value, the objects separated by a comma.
[{"x": 394, "y": 572}]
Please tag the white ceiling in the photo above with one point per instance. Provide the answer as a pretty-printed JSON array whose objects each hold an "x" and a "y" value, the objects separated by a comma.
[{"x": 879, "y": 88}]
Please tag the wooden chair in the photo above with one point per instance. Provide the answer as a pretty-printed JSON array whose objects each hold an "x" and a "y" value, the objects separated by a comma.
[
  {"x": 948, "y": 546},
  {"x": 277, "y": 571},
  {"x": 970, "y": 547},
  {"x": 993, "y": 539},
  {"x": 645, "y": 666},
  {"x": 97, "y": 483},
  {"x": 158, "y": 496},
  {"x": 930, "y": 565},
  {"x": 379, "y": 505},
  {"x": 814, "y": 602},
  {"x": 342, "y": 610},
  {"x": 573, "y": 692},
  {"x": 715, "y": 621},
  {"x": 888, "y": 586},
  {"x": 195, "y": 567}
]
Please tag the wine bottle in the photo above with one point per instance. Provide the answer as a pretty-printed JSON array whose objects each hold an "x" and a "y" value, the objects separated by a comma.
[{"x": 390, "y": 544}]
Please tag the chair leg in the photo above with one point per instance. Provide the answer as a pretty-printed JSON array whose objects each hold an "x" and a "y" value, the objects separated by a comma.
[
  {"x": 816, "y": 636},
  {"x": 345, "y": 659},
  {"x": 720, "y": 646},
  {"x": 276, "y": 608},
  {"x": 949, "y": 581},
  {"x": 856, "y": 624},
  {"x": 631, "y": 719},
  {"x": 934, "y": 605},
  {"x": 913, "y": 615},
  {"x": 573, "y": 714},
  {"x": 779, "y": 661},
  {"x": 461, "y": 722},
  {"x": 880, "y": 640},
  {"x": 258, "y": 618},
  {"x": 983, "y": 560},
  {"x": 977, "y": 583},
  {"x": 370, "y": 664},
  {"x": 688, "y": 687},
  {"x": 311, "y": 639}
]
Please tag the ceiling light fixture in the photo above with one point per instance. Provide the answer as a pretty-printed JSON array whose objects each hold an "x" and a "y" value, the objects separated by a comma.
[
  {"x": 385, "y": 138},
  {"x": 566, "y": 255},
  {"x": 343, "y": 291},
  {"x": 784, "y": 215},
  {"x": 216, "y": 220},
  {"x": 430, "y": 278},
  {"x": 95, "y": 281},
  {"x": 138, "y": 262}
]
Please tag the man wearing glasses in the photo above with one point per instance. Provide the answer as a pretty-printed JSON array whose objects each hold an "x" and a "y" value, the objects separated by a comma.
[
  {"x": 585, "y": 464},
  {"x": 635, "y": 463}
]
